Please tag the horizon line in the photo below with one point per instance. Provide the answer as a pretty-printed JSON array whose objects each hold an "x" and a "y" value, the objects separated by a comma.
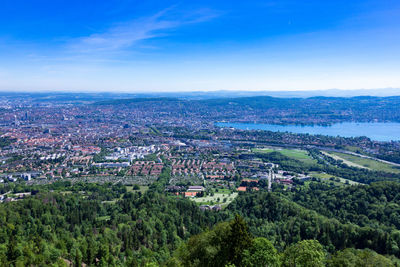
[{"x": 196, "y": 91}]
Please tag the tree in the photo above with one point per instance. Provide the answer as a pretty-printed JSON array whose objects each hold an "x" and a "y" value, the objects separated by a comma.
[
  {"x": 261, "y": 253},
  {"x": 173, "y": 262},
  {"x": 238, "y": 239},
  {"x": 205, "y": 249},
  {"x": 77, "y": 256},
  {"x": 306, "y": 253},
  {"x": 136, "y": 187},
  {"x": 355, "y": 257},
  {"x": 217, "y": 247}
]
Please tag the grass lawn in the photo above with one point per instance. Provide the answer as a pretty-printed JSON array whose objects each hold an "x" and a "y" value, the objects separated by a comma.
[
  {"x": 263, "y": 150},
  {"x": 223, "y": 191},
  {"x": 368, "y": 163},
  {"x": 345, "y": 161},
  {"x": 213, "y": 200},
  {"x": 298, "y": 154},
  {"x": 350, "y": 181},
  {"x": 326, "y": 177},
  {"x": 321, "y": 175}
]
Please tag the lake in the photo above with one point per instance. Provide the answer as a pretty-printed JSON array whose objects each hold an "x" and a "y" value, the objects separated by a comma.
[{"x": 376, "y": 131}]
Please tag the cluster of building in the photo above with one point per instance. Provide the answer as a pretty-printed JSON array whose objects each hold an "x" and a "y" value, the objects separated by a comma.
[
  {"x": 146, "y": 168},
  {"x": 207, "y": 168}
]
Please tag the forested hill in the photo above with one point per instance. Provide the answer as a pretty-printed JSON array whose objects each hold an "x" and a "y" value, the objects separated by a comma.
[
  {"x": 104, "y": 225},
  {"x": 270, "y": 109}
]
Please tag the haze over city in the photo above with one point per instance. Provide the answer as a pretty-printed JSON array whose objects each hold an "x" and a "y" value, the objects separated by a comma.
[{"x": 143, "y": 46}]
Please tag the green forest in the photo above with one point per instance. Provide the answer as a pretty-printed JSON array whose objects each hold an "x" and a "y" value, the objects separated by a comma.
[{"x": 106, "y": 225}]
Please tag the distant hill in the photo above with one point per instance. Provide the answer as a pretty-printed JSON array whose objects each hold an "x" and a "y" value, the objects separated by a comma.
[
  {"x": 197, "y": 95},
  {"x": 313, "y": 110},
  {"x": 265, "y": 102},
  {"x": 137, "y": 100}
]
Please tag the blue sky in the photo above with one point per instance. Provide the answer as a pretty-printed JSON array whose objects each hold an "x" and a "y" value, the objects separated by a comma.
[{"x": 141, "y": 46}]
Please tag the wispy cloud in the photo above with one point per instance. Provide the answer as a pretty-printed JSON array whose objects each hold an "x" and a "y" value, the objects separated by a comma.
[{"x": 128, "y": 34}]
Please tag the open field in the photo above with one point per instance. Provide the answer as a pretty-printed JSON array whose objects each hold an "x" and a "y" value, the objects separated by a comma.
[
  {"x": 298, "y": 154},
  {"x": 321, "y": 175},
  {"x": 223, "y": 191},
  {"x": 208, "y": 200},
  {"x": 326, "y": 177},
  {"x": 264, "y": 150},
  {"x": 345, "y": 161},
  {"x": 366, "y": 163}
]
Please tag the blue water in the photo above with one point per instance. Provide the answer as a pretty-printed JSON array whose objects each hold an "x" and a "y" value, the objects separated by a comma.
[{"x": 376, "y": 131}]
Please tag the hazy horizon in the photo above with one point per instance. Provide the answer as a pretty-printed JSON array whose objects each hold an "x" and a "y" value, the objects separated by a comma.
[
  {"x": 360, "y": 90},
  {"x": 382, "y": 92}
]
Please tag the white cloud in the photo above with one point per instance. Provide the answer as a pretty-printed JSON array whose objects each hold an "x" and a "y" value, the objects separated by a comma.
[{"x": 128, "y": 34}]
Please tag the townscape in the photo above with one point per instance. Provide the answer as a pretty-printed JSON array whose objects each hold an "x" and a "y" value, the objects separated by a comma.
[
  {"x": 199, "y": 133},
  {"x": 55, "y": 142}
]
